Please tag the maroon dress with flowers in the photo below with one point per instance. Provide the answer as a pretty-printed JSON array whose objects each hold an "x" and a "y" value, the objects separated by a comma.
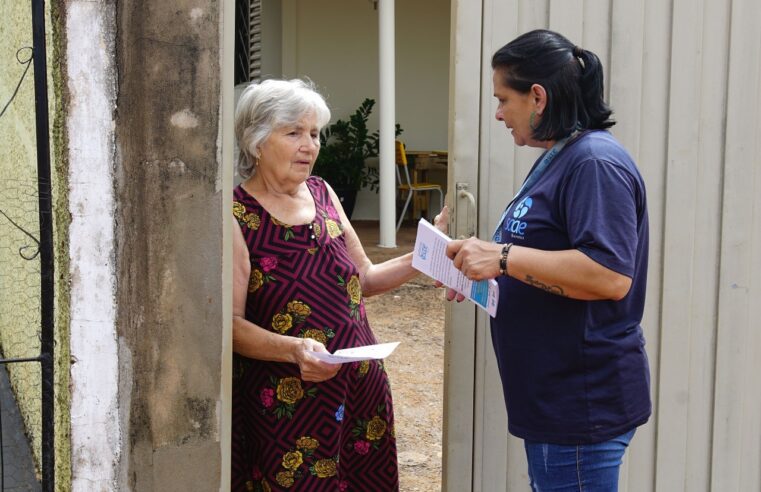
[{"x": 289, "y": 434}]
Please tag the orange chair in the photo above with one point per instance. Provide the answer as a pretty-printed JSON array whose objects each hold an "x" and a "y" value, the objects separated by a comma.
[{"x": 406, "y": 185}]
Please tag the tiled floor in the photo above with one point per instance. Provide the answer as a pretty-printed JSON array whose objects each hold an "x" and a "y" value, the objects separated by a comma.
[{"x": 17, "y": 466}]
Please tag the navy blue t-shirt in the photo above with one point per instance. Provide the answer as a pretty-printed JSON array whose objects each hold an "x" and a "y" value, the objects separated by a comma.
[{"x": 576, "y": 372}]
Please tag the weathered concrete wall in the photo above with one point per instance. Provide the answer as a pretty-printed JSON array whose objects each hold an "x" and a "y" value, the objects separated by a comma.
[{"x": 169, "y": 256}]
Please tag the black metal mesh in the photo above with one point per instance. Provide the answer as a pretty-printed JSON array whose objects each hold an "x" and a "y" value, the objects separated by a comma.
[{"x": 26, "y": 268}]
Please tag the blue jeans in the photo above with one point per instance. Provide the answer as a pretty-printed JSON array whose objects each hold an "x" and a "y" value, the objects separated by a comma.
[{"x": 582, "y": 468}]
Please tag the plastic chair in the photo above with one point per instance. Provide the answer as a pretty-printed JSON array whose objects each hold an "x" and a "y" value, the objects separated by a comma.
[{"x": 406, "y": 185}]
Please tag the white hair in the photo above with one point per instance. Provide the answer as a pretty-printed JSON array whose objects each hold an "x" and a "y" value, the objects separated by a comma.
[{"x": 269, "y": 105}]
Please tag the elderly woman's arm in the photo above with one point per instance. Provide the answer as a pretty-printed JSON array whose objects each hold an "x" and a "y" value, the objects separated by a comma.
[
  {"x": 376, "y": 279},
  {"x": 255, "y": 342}
]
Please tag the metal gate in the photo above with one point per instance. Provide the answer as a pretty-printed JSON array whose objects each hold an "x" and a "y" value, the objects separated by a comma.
[{"x": 35, "y": 252}]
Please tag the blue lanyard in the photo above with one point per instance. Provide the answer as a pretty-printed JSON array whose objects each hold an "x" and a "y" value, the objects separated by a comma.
[{"x": 532, "y": 178}]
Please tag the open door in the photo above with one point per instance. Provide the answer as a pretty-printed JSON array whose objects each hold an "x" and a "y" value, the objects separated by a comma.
[
  {"x": 485, "y": 169},
  {"x": 460, "y": 361}
]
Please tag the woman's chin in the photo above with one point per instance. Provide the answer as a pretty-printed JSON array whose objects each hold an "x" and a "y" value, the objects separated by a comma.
[{"x": 302, "y": 170}]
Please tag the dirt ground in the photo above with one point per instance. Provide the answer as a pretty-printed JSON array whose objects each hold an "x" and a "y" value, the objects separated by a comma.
[{"x": 413, "y": 315}]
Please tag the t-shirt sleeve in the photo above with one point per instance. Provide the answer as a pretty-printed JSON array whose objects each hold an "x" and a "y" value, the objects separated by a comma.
[{"x": 600, "y": 207}]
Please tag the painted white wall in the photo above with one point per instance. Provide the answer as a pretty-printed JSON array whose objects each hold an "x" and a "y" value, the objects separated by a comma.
[
  {"x": 335, "y": 43},
  {"x": 96, "y": 436}
]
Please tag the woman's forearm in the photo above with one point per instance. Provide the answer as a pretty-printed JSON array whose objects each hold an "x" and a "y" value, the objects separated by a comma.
[
  {"x": 568, "y": 273},
  {"x": 388, "y": 275},
  {"x": 255, "y": 342}
]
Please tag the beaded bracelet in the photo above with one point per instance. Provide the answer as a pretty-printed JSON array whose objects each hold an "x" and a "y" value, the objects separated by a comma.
[{"x": 503, "y": 259}]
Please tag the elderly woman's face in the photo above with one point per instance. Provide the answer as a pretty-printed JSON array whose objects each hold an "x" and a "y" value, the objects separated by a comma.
[{"x": 289, "y": 152}]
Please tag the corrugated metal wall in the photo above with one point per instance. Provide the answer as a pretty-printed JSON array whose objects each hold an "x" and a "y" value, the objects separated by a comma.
[{"x": 684, "y": 80}]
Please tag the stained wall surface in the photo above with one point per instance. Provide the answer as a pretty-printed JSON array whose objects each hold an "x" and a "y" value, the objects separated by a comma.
[{"x": 169, "y": 237}]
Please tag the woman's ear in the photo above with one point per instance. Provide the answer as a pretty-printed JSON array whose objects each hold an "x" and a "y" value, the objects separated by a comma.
[{"x": 539, "y": 95}]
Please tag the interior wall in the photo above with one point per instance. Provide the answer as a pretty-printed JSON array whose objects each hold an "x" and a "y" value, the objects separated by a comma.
[{"x": 335, "y": 43}]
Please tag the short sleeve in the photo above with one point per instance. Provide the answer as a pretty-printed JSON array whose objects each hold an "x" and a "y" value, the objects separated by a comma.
[{"x": 599, "y": 202}]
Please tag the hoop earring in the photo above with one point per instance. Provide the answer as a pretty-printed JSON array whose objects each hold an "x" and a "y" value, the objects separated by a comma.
[{"x": 531, "y": 120}]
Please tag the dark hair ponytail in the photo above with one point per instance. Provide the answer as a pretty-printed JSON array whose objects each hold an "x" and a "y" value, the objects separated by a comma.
[
  {"x": 572, "y": 78},
  {"x": 595, "y": 112}
]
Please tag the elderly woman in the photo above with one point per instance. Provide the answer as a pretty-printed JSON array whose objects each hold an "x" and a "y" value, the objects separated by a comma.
[
  {"x": 300, "y": 274},
  {"x": 570, "y": 256}
]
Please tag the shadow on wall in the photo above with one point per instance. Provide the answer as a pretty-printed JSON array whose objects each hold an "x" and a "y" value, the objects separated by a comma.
[{"x": 18, "y": 471}]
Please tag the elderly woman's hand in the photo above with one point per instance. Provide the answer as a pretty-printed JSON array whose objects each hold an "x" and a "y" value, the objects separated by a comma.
[
  {"x": 453, "y": 295},
  {"x": 441, "y": 221},
  {"x": 312, "y": 368}
]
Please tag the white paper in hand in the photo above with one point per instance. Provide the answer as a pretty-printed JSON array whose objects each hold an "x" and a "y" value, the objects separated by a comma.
[
  {"x": 430, "y": 257},
  {"x": 367, "y": 352}
]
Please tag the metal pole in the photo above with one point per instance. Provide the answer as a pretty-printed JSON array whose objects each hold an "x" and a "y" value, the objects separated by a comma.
[
  {"x": 46, "y": 242},
  {"x": 387, "y": 124}
]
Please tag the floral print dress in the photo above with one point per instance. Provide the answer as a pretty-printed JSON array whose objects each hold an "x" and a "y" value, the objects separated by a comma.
[{"x": 289, "y": 434}]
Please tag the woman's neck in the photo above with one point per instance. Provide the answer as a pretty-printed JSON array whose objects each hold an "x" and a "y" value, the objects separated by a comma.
[
  {"x": 548, "y": 144},
  {"x": 259, "y": 183},
  {"x": 542, "y": 144},
  {"x": 291, "y": 205}
]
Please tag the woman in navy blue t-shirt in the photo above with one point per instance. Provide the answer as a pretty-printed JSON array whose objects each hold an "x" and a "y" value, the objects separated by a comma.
[{"x": 570, "y": 256}]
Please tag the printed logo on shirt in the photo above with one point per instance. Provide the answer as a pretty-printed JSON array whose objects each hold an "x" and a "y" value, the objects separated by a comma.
[
  {"x": 523, "y": 207},
  {"x": 515, "y": 226}
]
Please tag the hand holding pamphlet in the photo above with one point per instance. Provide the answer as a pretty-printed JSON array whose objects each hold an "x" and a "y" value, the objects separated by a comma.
[
  {"x": 367, "y": 352},
  {"x": 430, "y": 257}
]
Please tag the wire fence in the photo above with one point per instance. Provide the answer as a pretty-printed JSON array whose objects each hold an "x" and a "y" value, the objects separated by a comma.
[
  {"x": 26, "y": 283},
  {"x": 20, "y": 337}
]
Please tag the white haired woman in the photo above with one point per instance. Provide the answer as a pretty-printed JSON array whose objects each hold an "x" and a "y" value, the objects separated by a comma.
[{"x": 300, "y": 274}]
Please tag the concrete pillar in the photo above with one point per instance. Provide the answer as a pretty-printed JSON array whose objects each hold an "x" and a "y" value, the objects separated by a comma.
[{"x": 171, "y": 204}]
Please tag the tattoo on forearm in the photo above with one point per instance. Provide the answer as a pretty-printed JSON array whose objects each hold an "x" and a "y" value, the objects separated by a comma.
[{"x": 552, "y": 289}]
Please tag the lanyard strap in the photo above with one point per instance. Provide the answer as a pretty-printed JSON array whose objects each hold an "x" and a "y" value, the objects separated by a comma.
[{"x": 532, "y": 178}]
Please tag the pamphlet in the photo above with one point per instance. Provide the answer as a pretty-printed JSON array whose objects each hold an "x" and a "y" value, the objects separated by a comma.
[
  {"x": 367, "y": 352},
  {"x": 430, "y": 257}
]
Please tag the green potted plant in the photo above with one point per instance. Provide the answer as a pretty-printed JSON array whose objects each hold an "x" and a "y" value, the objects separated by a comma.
[{"x": 345, "y": 147}]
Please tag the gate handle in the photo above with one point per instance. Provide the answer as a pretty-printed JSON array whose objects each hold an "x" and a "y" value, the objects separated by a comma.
[{"x": 462, "y": 192}]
